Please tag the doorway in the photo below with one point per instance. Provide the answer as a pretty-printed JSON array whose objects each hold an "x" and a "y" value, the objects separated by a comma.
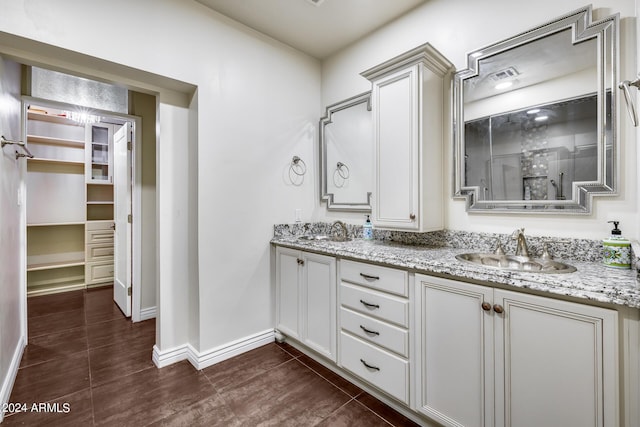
[{"x": 79, "y": 200}]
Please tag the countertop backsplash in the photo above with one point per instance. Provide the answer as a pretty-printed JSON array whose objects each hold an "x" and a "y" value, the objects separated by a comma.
[{"x": 586, "y": 250}]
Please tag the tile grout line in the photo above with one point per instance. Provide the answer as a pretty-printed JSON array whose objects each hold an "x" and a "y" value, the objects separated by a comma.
[{"x": 84, "y": 309}]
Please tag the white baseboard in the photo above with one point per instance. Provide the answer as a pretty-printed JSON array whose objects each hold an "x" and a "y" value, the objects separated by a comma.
[
  {"x": 147, "y": 313},
  {"x": 201, "y": 360},
  {"x": 12, "y": 373}
]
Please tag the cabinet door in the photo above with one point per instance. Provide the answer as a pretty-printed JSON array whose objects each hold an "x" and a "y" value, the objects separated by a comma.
[
  {"x": 555, "y": 363},
  {"x": 319, "y": 303},
  {"x": 455, "y": 352},
  {"x": 288, "y": 292},
  {"x": 99, "y": 155},
  {"x": 396, "y": 121}
]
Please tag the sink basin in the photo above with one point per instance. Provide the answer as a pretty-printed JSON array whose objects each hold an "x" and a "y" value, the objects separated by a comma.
[
  {"x": 319, "y": 237},
  {"x": 516, "y": 263}
]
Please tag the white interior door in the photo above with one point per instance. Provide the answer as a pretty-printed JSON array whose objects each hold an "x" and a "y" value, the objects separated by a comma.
[{"x": 122, "y": 210}]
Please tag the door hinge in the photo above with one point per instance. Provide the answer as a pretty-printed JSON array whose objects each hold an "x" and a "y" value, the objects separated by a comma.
[
  {"x": 129, "y": 146},
  {"x": 128, "y": 291},
  {"x": 129, "y": 218}
]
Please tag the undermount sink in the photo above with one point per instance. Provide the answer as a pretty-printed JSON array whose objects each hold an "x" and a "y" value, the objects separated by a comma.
[
  {"x": 319, "y": 237},
  {"x": 517, "y": 263}
]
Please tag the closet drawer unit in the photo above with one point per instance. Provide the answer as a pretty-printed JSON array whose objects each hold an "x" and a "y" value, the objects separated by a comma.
[
  {"x": 99, "y": 237},
  {"x": 99, "y": 273},
  {"x": 374, "y": 276},
  {"x": 377, "y": 304},
  {"x": 375, "y": 331},
  {"x": 96, "y": 253},
  {"x": 384, "y": 370}
]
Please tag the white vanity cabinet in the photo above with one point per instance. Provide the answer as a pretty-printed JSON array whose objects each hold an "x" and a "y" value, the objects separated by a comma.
[
  {"x": 306, "y": 299},
  {"x": 408, "y": 101},
  {"x": 374, "y": 326},
  {"x": 491, "y": 357}
]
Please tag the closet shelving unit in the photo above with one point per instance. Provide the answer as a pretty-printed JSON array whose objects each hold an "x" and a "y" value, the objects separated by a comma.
[{"x": 60, "y": 203}]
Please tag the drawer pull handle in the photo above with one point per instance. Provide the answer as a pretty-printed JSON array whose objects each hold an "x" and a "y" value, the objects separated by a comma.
[
  {"x": 370, "y": 305},
  {"x": 366, "y": 276},
  {"x": 370, "y": 332},
  {"x": 375, "y": 368}
]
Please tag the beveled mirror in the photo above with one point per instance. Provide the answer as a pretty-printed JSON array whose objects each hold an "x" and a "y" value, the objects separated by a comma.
[
  {"x": 346, "y": 154},
  {"x": 535, "y": 118}
]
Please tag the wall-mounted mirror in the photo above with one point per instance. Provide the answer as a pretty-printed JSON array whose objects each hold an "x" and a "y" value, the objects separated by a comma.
[
  {"x": 346, "y": 154},
  {"x": 535, "y": 118}
]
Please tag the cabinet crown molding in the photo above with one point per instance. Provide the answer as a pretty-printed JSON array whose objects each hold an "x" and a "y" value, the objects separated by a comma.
[{"x": 426, "y": 54}]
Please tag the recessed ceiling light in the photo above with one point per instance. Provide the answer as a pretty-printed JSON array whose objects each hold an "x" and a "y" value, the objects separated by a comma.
[
  {"x": 534, "y": 111},
  {"x": 316, "y": 2},
  {"x": 541, "y": 118},
  {"x": 503, "y": 85}
]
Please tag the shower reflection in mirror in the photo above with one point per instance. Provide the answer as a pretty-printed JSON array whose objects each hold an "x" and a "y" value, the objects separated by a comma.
[{"x": 535, "y": 153}]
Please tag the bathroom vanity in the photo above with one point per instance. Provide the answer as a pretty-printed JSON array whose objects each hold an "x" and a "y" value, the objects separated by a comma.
[{"x": 451, "y": 343}]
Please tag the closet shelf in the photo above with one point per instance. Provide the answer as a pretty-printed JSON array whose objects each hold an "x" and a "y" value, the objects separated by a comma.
[
  {"x": 57, "y": 161},
  {"x": 39, "y": 139},
  {"x": 54, "y": 265},
  {"x": 56, "y": 224},
  {"x": 52, "y": 118}
]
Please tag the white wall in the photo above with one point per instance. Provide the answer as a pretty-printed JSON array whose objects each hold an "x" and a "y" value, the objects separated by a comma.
[
  {"x": 257, "y": 107},
  {"x": 458, "y": 27},
  {"x": 11, "y": 315}
]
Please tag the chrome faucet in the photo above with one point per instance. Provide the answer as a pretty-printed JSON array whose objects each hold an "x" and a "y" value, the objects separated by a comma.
[
  {"x": 521, "y": 248},
  {"x": 343, "y": 229}
]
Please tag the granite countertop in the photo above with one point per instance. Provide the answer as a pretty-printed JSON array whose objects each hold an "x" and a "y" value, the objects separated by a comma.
[{"x": 592, "y": 280}]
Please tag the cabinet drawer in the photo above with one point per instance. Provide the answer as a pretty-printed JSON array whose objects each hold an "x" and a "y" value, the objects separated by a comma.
[
  {"x": 374, "y": 276},
  {"x": 381, "y": 333},
  {"x": 376, "y": 304},
  {"x": 99, "y": 272},
  {"x": 99, "y": 253},
  {"x": 99, "y": 236},
  {"x": 387, "y": 372}
]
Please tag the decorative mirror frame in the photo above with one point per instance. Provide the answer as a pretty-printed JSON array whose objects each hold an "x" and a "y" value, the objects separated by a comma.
[
  {"x": 580, "y": 21},
  {"x": 362, "y": 98}
]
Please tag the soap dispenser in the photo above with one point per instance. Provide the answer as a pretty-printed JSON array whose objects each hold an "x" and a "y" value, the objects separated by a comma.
[
  {"x": 367, "y": 229},
  {"x": 616, "y": 249}
]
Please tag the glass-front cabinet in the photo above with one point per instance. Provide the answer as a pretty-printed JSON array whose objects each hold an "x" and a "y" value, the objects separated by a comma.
[{"x": 99, "y": 154}]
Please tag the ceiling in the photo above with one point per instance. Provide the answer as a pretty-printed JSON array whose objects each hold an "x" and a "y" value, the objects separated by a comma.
[{"x": 316, "y": 27}]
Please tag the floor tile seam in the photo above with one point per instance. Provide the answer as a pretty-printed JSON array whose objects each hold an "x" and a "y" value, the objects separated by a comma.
[
  {"x": 335, "y": 410},
  {"x": 288, "y": 352},
  {"x": 61, "y": 357},
  {"x": 124, "y": 341},
  {"x": 328, "y": 380},
  {"x": 53, "y": 312},
  {"x": 262, "y": 372},
  {"x": 374, "y": 412},
  {"x": 114, "y": 379}
]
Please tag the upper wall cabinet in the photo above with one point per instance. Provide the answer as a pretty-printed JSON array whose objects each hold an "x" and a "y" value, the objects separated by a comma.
[
  {"x": 408, "y": 94},
  {"x": 535, "y": 118}
]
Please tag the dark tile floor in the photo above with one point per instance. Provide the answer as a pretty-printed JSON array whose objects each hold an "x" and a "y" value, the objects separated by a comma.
[{"x": 96, "y": 365}]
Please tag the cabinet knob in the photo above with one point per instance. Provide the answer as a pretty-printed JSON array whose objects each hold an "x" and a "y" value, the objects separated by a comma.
[
  {"x": 412, "y": 216},
  {"x": 498, "y": 308},
  {"x": 300, "y": 261},
  {"x": 486, "y": 306}
]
